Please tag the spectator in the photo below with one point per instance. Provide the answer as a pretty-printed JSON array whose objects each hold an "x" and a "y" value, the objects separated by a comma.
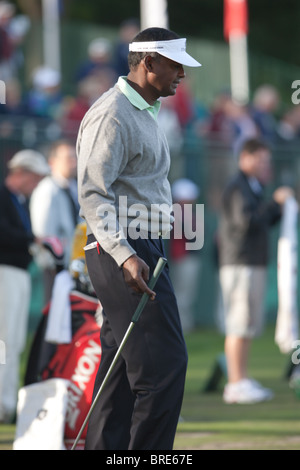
[
  {"x": 243, "y": 126},
  {"x": 45, "y": 99},
  {"x": 13, "y": 95},
  {"x": 266, "y": 101},
  {"x": 128, "y": 30},
  {"x": 7, "y": 11},
  {"x": 26, "y": 169},
  {"x": 169, "y": 122},
  {"x": 185, "y": 265},
  {"x": 89, "y": 90},
  {"x": 17, "y": 29},
  {"x": 287, "y": 147},
  {"x": 54, "y": 207},
  {"x": 289, "y": 126},
  {"x": 218, "y": 126},
  {"x": 99, "y": 58},
  {"x": 184, "y": 105},
  {"x": 243, "y": 243},
  {"x": 76, "y": 107},
  {"x": 11, "y": 113}
]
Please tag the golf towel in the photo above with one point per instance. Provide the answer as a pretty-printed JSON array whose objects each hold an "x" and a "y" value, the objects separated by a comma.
[
  {"x": 59, "y": 328},
  {"x": 286, "y": 331}
]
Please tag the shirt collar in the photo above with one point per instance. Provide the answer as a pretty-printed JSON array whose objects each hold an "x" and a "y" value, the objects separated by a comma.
[
  {"x": 255, "y": 185},
  {"x": 136, "y": 99}
]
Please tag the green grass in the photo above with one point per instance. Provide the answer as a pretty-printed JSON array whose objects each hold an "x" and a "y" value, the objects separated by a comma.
[
  {"x": 208, "y": 423},
  {"x": 7, "y": 433}
]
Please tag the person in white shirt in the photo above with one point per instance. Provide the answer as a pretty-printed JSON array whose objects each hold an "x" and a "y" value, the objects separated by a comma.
[{"x": 54, "y": 206}]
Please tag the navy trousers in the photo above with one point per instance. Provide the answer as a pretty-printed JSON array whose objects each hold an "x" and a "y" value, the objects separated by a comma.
[{"x": 140, "y": 404}]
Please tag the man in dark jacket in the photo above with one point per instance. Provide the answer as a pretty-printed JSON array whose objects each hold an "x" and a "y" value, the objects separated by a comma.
[
  {"x": 26, "y": 169},
  {"x": 243, "y": 235}
]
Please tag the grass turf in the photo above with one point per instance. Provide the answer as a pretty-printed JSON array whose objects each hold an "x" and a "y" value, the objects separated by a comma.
[{"x": 209, "y": 424}]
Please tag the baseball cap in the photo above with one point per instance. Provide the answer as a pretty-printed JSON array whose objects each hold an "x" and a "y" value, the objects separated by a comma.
[
  {"x": 184, "y": 189},
  {"x": 46, "y": 77},
  {"x": 99, "y": 47},
  {"x": 30, "y": 160},
  {"x": 174, "y": 49}
]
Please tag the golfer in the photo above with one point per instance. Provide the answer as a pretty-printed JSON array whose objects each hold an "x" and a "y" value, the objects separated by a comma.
[{"x": 125, "y": 198}]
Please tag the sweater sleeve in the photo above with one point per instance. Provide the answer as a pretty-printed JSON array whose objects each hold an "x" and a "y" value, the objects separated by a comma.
[{"x": 101, "y": 160}]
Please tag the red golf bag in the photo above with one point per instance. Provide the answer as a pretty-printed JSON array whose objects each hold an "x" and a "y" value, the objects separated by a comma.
[{"x": 77, "y": 361}]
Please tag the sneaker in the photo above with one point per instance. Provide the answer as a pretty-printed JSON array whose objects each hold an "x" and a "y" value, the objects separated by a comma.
[
  {"x": 258, "y": 385},
  {"x": 246, "y": 391}
]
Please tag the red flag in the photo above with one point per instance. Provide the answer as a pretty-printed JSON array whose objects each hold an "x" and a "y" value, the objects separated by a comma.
[{"x": 235, "y": 18}]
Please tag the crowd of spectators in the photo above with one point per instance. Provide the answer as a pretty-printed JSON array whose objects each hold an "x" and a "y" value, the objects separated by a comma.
[{"x": 44, "y": 113}]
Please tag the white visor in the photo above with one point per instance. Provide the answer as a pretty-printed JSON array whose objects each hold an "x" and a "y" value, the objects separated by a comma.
[{"x": 174, "y": 49}]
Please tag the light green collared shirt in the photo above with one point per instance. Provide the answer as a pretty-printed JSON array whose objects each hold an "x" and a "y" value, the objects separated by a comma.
[{"x": 136, "y": 99}]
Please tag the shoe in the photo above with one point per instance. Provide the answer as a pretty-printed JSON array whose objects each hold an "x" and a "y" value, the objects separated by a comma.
[
  {"x": 246, "y": 391},
  {"x": 258, "y": 385}
]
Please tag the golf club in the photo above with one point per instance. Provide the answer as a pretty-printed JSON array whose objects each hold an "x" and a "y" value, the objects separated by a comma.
[{"x": 157, "y": 271}]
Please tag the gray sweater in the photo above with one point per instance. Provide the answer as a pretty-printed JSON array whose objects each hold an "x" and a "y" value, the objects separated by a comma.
[{"x": 123, "y": 159}]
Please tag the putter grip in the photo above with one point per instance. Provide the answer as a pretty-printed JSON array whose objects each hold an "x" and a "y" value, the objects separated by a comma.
[{"x": 157, "y": 272}]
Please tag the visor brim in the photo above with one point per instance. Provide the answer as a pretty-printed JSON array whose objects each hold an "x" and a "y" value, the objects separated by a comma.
[{"x": 182, "y": 58}]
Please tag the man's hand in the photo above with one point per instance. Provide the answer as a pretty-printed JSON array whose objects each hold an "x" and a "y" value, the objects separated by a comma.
[
  {"x": 282, "y": 193},
  {"x": 136, "y": 274}
]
